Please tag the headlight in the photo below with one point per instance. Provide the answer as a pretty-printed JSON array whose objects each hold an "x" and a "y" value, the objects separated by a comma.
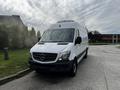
[{"x": 64, "y": 55}]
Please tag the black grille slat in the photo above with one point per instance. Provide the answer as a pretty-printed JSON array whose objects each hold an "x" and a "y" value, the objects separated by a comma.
[{"x": 44, "y": 57}]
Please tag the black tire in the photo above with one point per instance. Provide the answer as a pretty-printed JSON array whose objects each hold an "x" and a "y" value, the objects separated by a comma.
[
  {"x": 73, "y": 70},
  {"x": 37, "y": 71},
  {"x": 86, "y": 53}
]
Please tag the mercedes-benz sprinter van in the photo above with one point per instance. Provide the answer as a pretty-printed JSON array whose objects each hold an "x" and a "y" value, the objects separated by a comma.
[{"x": 60, "y": 48}]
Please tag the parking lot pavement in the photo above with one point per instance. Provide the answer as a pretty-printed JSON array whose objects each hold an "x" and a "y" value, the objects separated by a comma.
[{"x": 100, "y": 71}]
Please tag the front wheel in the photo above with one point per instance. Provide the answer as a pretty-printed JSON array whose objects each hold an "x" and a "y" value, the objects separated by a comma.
[
  {"x": 73, "y": 70},
  {"x": 37, "y": 71}
]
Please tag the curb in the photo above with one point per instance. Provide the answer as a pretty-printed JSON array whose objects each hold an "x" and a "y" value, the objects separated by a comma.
[{"x": 14, "y": 76}]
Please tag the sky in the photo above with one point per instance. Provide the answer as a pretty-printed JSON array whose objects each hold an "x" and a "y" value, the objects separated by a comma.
[{"x": 100, "y": 15}]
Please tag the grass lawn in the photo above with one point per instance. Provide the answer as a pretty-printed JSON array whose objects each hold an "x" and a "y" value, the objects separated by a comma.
[
  {"x": 18, "y": 60},
  {"x": 118, "y": 47}
]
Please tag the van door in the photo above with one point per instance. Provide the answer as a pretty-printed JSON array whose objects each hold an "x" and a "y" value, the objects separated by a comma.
[
  {"x": 84, "y": 37},
  {"x": 79, "y": 46}
]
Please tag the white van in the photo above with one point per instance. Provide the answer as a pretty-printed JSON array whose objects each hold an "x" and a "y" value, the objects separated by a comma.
[{"x": 60, "y": 48}]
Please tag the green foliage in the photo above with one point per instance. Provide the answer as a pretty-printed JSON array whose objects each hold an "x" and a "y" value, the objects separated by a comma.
[
  {"x": 118, "y": 46},
  {"x": 32, "y": 36},
  {"x": 32, "y": 32},
  {"x": 38, "y": 34},
  {"x": 16, "y": 37},
  {"x": 3, "y": 37}
]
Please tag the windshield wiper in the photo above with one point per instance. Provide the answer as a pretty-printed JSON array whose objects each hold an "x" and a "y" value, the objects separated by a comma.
[
  {"x": 51, "y": 41},
  {"x": 45, "y": 41},
  {"x": 57, "y": 41}
]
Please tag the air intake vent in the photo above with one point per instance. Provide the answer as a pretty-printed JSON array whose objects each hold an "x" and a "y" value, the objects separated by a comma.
[{"x": 44, "y": 57}]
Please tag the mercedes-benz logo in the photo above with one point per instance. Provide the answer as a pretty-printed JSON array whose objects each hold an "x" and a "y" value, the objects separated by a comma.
[{"x": 42, "y": 58}]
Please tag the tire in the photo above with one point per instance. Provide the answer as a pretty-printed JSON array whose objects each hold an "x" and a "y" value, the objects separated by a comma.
[
  {"x": 37, "y": 71},
  {"x": 73, "y": 70},
  {"x": 86, "y": 53}
]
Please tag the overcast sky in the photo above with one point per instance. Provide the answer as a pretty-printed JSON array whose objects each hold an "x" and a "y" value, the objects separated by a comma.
[{"x": 101, "y": 15}]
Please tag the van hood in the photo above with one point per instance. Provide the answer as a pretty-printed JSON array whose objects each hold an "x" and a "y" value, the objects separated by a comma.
[{"x": 50, "y": 47}]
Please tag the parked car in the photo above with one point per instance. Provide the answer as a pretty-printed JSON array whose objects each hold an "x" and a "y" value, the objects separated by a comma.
[{"x": 60, "y": 48}]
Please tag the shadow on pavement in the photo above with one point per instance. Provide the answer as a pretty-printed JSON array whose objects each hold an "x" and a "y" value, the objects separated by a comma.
[{"x": 58, "y": 77}]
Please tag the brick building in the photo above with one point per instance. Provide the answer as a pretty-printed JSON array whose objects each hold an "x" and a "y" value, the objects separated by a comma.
[
  {"x": 104, "y": 38},
  {"x": 110, "y": 38}
]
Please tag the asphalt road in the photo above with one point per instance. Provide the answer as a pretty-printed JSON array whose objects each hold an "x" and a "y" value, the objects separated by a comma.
[{"x": 100, "y": 71}]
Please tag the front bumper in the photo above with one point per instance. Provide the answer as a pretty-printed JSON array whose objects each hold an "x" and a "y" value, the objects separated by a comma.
[{"x": 59, "y": 66}]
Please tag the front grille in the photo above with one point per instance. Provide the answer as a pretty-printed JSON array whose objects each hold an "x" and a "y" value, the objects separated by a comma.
[{"x": 44, "y": 57}]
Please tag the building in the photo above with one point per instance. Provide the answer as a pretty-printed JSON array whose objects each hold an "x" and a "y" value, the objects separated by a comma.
[
  {"x": 15, "y": 30},
  {"x": 95, "y": 36},
  {"x": 110, "y": 38},
  {"x": 13, "y": 20}
]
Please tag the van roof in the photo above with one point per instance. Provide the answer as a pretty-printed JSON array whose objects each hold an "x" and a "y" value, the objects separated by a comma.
[
  {"x": 66, "y": 24},
  {"x": 65, "y": 21}
]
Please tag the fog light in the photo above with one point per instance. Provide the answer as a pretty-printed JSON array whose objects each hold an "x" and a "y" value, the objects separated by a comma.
[{"x": 60, "y": 59}]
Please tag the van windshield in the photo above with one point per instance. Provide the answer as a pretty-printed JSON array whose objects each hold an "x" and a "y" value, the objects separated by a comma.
[{"x": 58, "y": 35}]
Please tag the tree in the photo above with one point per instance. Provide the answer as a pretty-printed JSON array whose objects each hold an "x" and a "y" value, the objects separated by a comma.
[
  {"x": 38, "y": 35},
  {"x": 94, "y": 36},
  {"x": 3, "y": 37},
  {"x": 32, "y": 37},
  {"x": 15, "y": 37},
  {"x": 24, "y": 37}
]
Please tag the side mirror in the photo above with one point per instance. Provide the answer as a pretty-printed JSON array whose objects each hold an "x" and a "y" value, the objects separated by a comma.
[{"x": 78, "y": 40}]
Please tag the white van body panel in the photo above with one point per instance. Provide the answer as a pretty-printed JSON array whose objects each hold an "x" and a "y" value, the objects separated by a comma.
[
  {"x": 50, "y": 48},
  {"x": 75, "y": 50}
]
